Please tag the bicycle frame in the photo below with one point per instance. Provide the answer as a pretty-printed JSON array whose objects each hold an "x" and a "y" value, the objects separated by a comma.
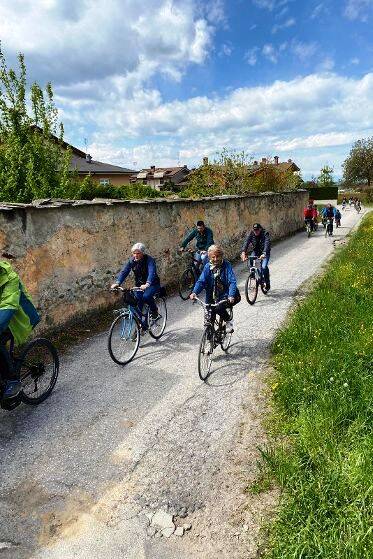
[
  {"x": 133, "y": 313},
  {"x": 212, "y": 321},
  {"x": 255, "y": 267}
]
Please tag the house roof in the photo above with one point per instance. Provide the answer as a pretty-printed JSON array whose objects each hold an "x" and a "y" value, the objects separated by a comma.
[
  {"x": 160, "y": 172},
  {"x": 283, "y": 166}
]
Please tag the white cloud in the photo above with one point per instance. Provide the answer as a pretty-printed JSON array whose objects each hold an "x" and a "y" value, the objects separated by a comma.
[
  {"x": 251, "y": 56},
  {"x": 326, "y": 65},
  {"x": 272, "y": 5},
  {"x": 226, "y": 49},
  {"x": 77, "y": 40},
  {"x": 302, "y": 50},
  {"x": 319, "y": 10},
  {"x": 269, "y": 52},
  {"x": 279, "y": 26},
  {"x": 358, "y": 9}
]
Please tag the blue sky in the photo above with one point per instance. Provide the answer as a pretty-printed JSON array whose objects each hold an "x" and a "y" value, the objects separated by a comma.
[{"x": 167, "y": 81}]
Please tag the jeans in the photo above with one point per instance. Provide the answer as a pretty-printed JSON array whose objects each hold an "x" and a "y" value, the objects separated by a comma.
[
  {"x": 201, "y": 258},
  {"x": 265, "y": 269},
  {"x": 147, "y": 297}
]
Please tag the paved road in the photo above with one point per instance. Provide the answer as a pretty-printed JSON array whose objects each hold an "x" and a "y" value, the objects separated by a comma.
[{"x": 113, "y": 442}]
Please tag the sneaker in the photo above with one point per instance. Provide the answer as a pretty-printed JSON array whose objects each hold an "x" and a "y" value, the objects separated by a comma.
[
  {"x": 229, "y": 327},
  {"x": 12, "y": 389}
]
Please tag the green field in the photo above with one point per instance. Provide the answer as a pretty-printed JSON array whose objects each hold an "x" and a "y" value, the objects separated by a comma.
[{"x": 321, "y": 453}]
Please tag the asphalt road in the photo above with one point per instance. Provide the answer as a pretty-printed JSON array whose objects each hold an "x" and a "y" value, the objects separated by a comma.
[{"x": 78, "y": 471}]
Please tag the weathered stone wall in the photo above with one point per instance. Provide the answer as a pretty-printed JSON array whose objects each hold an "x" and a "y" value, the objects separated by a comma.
[{"x": 68, "y": 254}]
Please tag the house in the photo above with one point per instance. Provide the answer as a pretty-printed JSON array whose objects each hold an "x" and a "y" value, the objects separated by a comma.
[
  {"x": 285, "y": 166},
  {"x": 161, "y": 177},
  {"x": 103, "y": 173}
]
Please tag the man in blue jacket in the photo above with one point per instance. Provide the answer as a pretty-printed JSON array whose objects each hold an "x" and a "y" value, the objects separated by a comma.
[
  {"x": 258, "y": 243},
  {"x": 219, "y": 281},
  {"x": 146, "y": 278},
  {"x": 204, "y": 239}
]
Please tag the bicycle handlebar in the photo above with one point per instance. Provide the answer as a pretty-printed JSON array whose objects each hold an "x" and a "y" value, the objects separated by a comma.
[
  {"x": 120, "y": 288},
  {"x": 205, "y": 305}
]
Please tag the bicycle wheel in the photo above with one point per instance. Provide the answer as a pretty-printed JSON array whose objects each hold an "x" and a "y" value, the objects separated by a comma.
[
  {"x": 186, "y": 283},
  {"x": 308, "y": 229},
  {"x": 157, "y": 327},
  {"x": 251, "y": 289},
  {"x": 206, "y": 349},
  {"x": 38, "y": 367},
  {"x": 226, "y": 340},
  {"x": 123, "y": 339}
]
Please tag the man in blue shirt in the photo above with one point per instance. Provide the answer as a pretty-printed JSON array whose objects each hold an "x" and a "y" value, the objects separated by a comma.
[
  {"x": 219, "y": 281},
  {"x": 204, "y": 239},
  {"x": 146, "y": 278}
]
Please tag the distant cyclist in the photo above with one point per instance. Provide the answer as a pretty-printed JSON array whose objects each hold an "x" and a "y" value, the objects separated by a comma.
[
  {"x": 309, "y": 214},
  {"x": 204, "y": 239},
  {"x": 144, "y": 269},
  {"x": 219, "y": 282},
  {"x": 337, "y": 217},
  {"x": 328, "y": 212},
  {"x": 18, "y": 317},
  {"x": 258, "y": 242}
]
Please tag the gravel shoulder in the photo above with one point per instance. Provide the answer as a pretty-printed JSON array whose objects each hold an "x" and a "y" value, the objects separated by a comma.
[{"x": 82, "y": 475}]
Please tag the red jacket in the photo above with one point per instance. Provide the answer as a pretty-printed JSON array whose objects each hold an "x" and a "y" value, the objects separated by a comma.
[{"x": 308, "y": 213}]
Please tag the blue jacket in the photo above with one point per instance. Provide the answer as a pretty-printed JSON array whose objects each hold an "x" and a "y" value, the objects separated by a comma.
[
  {"x": 145, "y": 271},
  {"x": 228, "y": 282},
  {"x": 325, "y": 211},
  {"x": 203, "y": 240}
]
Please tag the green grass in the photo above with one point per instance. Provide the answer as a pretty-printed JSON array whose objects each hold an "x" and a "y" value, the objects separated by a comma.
[{"x": 322, "y": 425}]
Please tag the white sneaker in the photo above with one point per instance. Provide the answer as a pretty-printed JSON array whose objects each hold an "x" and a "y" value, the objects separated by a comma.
[{"x": 229, "y": 327}]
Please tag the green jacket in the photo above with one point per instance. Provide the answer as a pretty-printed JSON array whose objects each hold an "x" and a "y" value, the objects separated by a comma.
[
  {"x": 16, "y": 309},
  {"x": 203, "y": 240}
]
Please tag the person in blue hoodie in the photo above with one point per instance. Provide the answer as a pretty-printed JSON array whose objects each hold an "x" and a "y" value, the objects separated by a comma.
[
  {"x": 144, "y": 269},
  {"x": 219, "y": 282}
]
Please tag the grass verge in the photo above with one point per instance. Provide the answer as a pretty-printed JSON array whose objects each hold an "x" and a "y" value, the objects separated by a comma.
[{"x": 322, "y": 423}]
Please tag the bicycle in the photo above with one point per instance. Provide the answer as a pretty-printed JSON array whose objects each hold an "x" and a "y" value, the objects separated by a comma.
[
  {"x": 189, "y": 277},
  {"x": 38, "y": 368},
  {"x": 309, "y": 227},
  {"x": 254, "y": 279},
  {"x": 329, "y": 227},
  {"x": 214, "y": 334},
  {"x": 125, "y": 331}
]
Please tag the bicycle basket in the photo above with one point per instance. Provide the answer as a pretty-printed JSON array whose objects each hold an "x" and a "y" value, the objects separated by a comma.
[{"x": 129, "y": 298}]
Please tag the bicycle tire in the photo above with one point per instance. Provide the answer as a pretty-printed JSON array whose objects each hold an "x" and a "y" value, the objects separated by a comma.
[
  {"x": 186, "y": 283},
  {"x": 160, "y": 302},
  {"x": 251, "y": 298},
  {"x": 33, "y": 366},
  {"x": 206, "y": 348},
  {"x": 135, "y": 340},
  {"x": 226, "y": 342}
]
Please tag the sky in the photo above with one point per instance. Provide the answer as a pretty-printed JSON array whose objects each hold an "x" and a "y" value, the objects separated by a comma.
[{"x": 167, "y": 82}]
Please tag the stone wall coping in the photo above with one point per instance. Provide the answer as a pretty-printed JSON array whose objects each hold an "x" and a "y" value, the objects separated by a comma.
[{"x": 51, "y": 203}]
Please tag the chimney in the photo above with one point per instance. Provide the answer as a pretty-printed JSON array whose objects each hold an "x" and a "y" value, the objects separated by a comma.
[
  {"x": 205, "y": 160},
  {"x": 290, "y": 161},
  {"x": 88, "y": 158},
  {"x": 264, "y": 161},
  {"x": 256, "y": 163},
  {"x": 152, "y": 168},
  {"x": 276, "y": 159}
]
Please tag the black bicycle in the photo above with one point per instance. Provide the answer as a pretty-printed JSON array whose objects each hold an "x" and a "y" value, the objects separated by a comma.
[
  {"x": 125, "y": 331},
  {"x": 214, "y": 334},
  {"x": 38, "y": 367},
  {"x": 190, "y": 275},
  {"x": 329, "y": 227},
  {"x": 254, "y": 279}
]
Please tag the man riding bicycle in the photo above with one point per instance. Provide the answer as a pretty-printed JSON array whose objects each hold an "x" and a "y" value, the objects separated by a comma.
[
  {"x": 18, "y": 317},
  {"x": 309, "y": 216},
  {"x": 219, "y": 281},
  {"x": 204, "y": 239},
  {"x": 144, "y": 269},
  {"x": 258, "y": 242}
]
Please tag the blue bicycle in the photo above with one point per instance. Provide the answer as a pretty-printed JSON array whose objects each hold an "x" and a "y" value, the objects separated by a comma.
[{"x": 125, "y": 331}]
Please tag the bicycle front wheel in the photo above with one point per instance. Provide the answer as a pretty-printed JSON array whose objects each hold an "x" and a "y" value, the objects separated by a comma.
[
  {"x": 38, "y": 367},
  {"x": 251, "y": 290},
  {"x": 124, "y": 339},
  {"x": 186, "y": 283},
  {"x": 226, "y": 340},
  {"x": 206, "y": 349},
  {"x": 157, "y": 327}
]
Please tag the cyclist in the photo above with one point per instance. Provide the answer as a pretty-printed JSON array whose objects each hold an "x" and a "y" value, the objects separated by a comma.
[
  {"x": 144, "y": 269},
  {"x": 18, "y": 317},
  {"x": 308, "y": 214},
  {"x": 344, "y": 203},
  {"x": 259, "y": 241},
  {"x": 219, "y": 281},
  {"x": 315, "y": 216},
  {"x": 204, "y": 239},
  {"x": 328, "y": 212},
  {"x": 337, "y": 217}
]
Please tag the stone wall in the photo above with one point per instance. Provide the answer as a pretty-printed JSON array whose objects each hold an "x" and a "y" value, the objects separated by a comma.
[{"x": 67, "y": 253}]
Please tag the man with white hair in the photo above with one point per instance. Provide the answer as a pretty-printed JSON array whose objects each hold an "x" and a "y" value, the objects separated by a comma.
[{"x": 144, "y": 269}]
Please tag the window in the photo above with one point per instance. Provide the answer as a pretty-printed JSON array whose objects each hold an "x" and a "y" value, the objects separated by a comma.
[{"x": 105, "y": 182}]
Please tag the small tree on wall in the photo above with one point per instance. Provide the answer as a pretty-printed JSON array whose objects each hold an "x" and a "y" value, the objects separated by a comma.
[
  {"x": 326, "y": 176},
  {"x": 32, "y": 163}
]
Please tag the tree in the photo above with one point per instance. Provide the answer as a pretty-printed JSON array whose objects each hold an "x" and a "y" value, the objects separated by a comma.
[
  {"x": 358, "y": 167},
  {"x": 32, "y": 161},
  {"x": 326, "y": 176}
]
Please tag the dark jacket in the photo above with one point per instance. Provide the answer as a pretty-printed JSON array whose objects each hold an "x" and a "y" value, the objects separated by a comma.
[
  {"x": 203, "y": 240},
  {"x": 145, "y": 271},
  {"x": 227, "y": 283},
  {"x": 261, "y": 243}
]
